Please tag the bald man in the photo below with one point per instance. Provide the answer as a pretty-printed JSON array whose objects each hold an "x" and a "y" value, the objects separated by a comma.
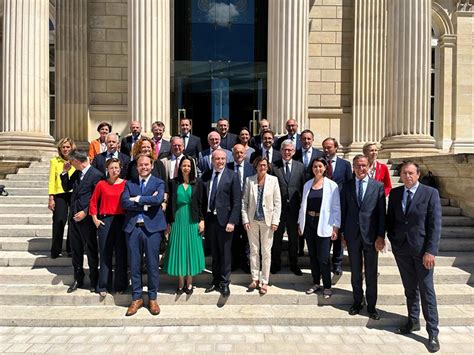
[
  {"x": 127, "y": 143},
  {"x": 293, "y": 135}
]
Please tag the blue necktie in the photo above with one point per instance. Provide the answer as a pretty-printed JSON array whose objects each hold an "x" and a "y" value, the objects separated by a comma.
[
  {"x": 305, "y": 158},
  {"x": 212, "y": 200},
  {"x": 142, "y": 188},
  {"x": 360, "y": 193}
]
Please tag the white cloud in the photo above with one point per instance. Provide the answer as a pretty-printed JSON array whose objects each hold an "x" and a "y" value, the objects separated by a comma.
[{"x": 222, "y": 14}]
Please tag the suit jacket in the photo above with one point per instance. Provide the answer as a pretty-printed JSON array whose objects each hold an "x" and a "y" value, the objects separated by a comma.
[
  {"x": 81, "y": 190},
  {"x": 100, "y": 160},
  {"x": 276, "y": 155},
  {"x": 291, "y": 191},
  {"x": 165, "y": 149},
  {"x": 382, "y": 174},
  {"x": 167, "y": 164},
  {"x": 248, "y": 171},
  {"x": 229, "y": 141},
  {"x": 256, "y": 142},
  {"x": 194, "y": 146},
  {"x": 316, "y": 153},
  {"x": 271, "y": 200},
  {"x": 204, "y": 161},
  {"x": 126, "y": 145},
  {"x": 420, "y": 228},
  {"x": 198, "y": 201},
  {"x": 342, "y": 173},
  {"x": 330, "y": 213},
  {"x": 158, "y": 171},
  {"x": 285, "y": 137},
  {"x": 368, "y": 219},
  {"x": 153, "y": 217},
  {"x": 228, "y": 199}
]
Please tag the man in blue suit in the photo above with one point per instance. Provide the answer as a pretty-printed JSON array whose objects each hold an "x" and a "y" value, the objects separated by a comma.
[
  {"x": 363, "y": 231},
  {"x": 205, "y": 157},
  {"x": 99, "y": 161},
  {"x": 339, "y": 171},
  {"x": 144, "y": 226},
  {"x": 413, "y": 226},
  {"x": 222, "y": 214}
]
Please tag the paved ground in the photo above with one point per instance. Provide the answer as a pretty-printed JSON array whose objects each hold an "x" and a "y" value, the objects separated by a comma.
[{"x": 228, "y": 339}]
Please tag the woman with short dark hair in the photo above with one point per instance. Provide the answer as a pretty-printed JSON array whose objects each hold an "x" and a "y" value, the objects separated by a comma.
[{"x": 99, "y": 145}]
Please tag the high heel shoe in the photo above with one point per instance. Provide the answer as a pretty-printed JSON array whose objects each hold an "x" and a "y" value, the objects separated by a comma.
[
  {"x": 180, "y": 290},
  {"x": 189, "y": 289}
]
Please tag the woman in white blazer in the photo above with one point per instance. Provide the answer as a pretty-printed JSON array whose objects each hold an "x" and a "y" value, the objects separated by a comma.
[
  {"x": 261, "y": 208},
  {"x": 319, "y": 221}
]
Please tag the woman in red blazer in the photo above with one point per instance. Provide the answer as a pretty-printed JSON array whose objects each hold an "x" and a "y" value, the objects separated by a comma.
[{"x": 377, "y": 171}]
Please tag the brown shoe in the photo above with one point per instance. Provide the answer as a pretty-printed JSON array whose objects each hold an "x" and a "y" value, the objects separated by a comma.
[
  {"x": 153, "y": 307},
  {"x": 134, "y": 307}
]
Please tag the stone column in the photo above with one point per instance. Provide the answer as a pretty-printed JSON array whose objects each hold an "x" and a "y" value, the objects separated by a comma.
[
  {"x": 24, "y": 124},
  {"x": 149, "y": 61},
  {"x": 368, "y": 123},
  {"x": 407, "y": 130},
  {"x": 71, "y": 70},
  {"x": 287, "y": 63}
]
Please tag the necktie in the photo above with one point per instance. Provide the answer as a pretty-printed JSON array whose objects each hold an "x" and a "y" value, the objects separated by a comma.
[
  {"x": 238, "y": 166},
  {"x": 287, "y": 171},
  {"x": 330, "y": 169},
  {"x": 212, "y": 200},
  {"x": 408, "y": 203},
  {"x": 176, "y": 167},
  {"x": 157, "y": 147},
  {"x": 305, "y": 158},
  {"x": 142, "y": 189},
  {"x": 360, "y": 193},
  {"x": 267, "y": 155},
  {"x": 185, "y": 140}
]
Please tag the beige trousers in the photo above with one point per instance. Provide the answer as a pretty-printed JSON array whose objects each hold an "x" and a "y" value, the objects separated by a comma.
[{"x": 260, "y": 238}]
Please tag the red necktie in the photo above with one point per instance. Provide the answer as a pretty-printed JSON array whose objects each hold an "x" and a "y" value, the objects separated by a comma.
[{"x": 330, "y": 169}]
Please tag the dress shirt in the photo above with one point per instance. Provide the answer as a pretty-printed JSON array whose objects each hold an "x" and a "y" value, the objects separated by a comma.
[
  {"x": 212, "y": 186},
  {"x": 103, "y": 147},
  {"x": 290, "y": 164},
  {"x": 333, "y": 164},
  {"x": 270, "y": 153},
  {"x": 307, "y": 156},
  {"x": 364, "y": 186},
  {"x": 157, "y": 145},
  {"x": 173, "y": 164},
  {"x": 111, "y": 155},
  {"x": 84, "y": 171},
  {"x": 239, "y": 169},
  {"x": 185, "y": 139},
  {"x": 405, "y": 195}
]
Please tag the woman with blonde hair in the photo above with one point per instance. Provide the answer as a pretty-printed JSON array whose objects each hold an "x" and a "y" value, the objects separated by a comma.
[
  {"x": 377, "y": 171},
  {"x": 59, "y": 201}
]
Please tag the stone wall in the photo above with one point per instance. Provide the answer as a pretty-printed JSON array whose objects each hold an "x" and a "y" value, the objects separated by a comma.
[{"x": 330, "y": 68}]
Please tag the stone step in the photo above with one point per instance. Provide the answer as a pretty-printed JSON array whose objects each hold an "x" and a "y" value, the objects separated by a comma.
[
  {"x": 25, "y": 209},
  {"x": 456, "y": 244},
  {"x": 457, "y": 232},
  {"x": 457, "y": 221},
  {"x": 40, "y": 169},
  {"x": 25, "y": 191},
  {"x": 11, "y": 184},
  {"x": 281, "y": 294},
  {"x": 28, "y": 177},
  {"x": 222, "y": 314},
  {"x": 24, "y": 200},
  {"x": 9, "y": 230},
  {"x": 39, "y": 275},
  {"x": 451, "y": 211},
  {"x": 444, "y": 201}
]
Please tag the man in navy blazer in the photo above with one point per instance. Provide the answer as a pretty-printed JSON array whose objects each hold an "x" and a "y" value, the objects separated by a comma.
[
  {"x": 292, "y": 129},
  {"x": 144, "y": 226},
  {"x": 228, "y": 140},
  {"x": 267, "y": 150},
  {"x": 192, "y": 144},
  {"x": 256, "y": 141},
  {"x": 339, "y": 171},
  {"x": 240, "y": 242},
  {"x": 126, "y": 146},
  {"x": 414, "y": 229},
  {"x": 205, "y": 157},
  {"x": 224, "y": 196},
  {"x": 82, "y": 231},
  {"x": 112, "y": 152},
  {"x": 162, "y": 146},
  {"x": 363, "y": 230},
  {"x": 307, "y": 152}
]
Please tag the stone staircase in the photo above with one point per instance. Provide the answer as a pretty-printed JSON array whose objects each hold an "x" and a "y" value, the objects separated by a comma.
[{"x": 33, "y": 286}]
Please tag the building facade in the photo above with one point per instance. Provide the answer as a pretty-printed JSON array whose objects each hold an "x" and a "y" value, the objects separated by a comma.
[{"x": 398, "y": 72}]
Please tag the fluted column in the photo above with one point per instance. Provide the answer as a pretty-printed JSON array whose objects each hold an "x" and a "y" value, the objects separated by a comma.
[
  {"x": 368, "y": 123},
  {"x": 287, "y": 62},
  {"x": 407, "y": 130},
  {"x": 71, "y": 70},
  {"x": 24, "y": 124},
  {"x": 149, "y": 61}
]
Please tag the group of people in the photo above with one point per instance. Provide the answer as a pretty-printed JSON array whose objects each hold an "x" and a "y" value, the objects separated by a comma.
[{"x": 235, "y": 201}]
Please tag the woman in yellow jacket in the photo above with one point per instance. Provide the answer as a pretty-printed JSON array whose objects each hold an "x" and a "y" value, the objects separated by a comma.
[{"x": 59, "y": 200}]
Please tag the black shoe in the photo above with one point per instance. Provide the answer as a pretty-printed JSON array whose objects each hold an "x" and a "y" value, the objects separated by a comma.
[
  {"x": 75, "y": 285},
  {"x": 373, "y": 314},
  {"x": 188, "y": 291},
  {"x": 225, "y": 291},
  {"x": 337, "y": 272},
  {"x": 409, "y": 327},
  {"x": 355, "y": 309},
  {"x": 212, "y": 288},
  {"x": 92, "y": 289},
  {"x": 296, "y": 270},
  {"x": 433, "y": 344},
  {"x": 179, "y": 291},
  {"x": 55, "y": 255}
]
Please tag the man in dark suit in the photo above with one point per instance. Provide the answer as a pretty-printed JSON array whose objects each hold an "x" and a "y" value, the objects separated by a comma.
[
  {"x": 228, "y": 140},
  {"x": 240, "y": 242},
  {"x": 414, "y": 229},
  {"x": 223, "y": 213},
  {"x": 307, "y": 152},
  {"x": 205, "y": 157},
  {"x": 162, "y": 146},
  {"x": 192, "y": 144},
  {"x": 363, "y": 231},
  {"x": 340, "y": 171},
  {"x": 144, "y": 226},
  {"x": 172, "y": 162},
  {"x": 112, "y": 145},
  {"x": 292, "y": 129},
  {"x": 256, "y": 141},
  {"x": 126, "y": 146},
  {"x": 267, "y": 149},
  {"x": 82, "y": 231},
  {"x": 290, "y": 174}
]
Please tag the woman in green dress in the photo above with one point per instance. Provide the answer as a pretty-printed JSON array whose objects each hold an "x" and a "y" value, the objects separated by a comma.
[{"x": 185, "y": 255}]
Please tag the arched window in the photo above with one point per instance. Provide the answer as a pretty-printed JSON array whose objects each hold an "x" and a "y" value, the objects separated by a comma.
[{"x": 52, "y": 77}]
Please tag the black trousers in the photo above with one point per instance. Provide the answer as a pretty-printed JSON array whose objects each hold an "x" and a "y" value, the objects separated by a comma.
[
  {"x": 60, "y": 216},
  {"x": 318, "y": 249},
  {"x": 288, "y": 221},
  {"x": 418, "y": 284},
  {"x": 221, "y": 250},
  {"x": 360, "y": 254},
  {"x": 240, "y": 248},
  {"x": 83, "y": 237},
  {"x": 112, "y": 240}
]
